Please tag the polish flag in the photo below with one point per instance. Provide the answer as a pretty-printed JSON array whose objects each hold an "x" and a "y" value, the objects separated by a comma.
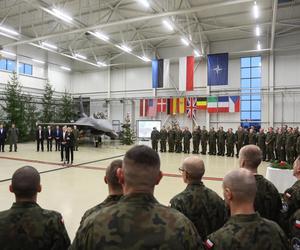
[{"x": 186, "y": 73}]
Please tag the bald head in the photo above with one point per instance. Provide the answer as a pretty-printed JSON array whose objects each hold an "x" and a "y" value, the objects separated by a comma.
[
  {"x": 111, "y": 174},
  {"x": 250, "y": 157},
  {"x": 194, "y": 168},
  {"x": 242, "y": 186},
  {"x": 25, "y": 182},
  {"x": 141, "y": 167}
]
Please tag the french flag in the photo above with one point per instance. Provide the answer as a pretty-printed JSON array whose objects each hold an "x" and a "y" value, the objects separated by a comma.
[
  {"x": 223, "y": 104},
  {"x": 234, "y": 104},
  {"x": 186, "y": 73}
]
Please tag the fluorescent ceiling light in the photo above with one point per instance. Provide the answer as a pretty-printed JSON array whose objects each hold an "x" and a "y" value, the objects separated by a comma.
[
  {"x": 9, "y": 31},
  {"x": 255, "y": 10},
  {"x": 49, "y": 45},
  {"x": 59, "y": 14},
  {"x": 80, "y": 56},
  {"x": 257, "y": 31},
  {"x": 168, "y": 25},
  {"x": 185, "y": 41},
  {"x": 100, "y": 35},
  {"x": 101, "y": 64},
  {"x": 65, "y": 68},
  {"x": 145, "y": 3},
  {"x": 124, "y": 48},
  {"x": 144, "y": 58},
  {"x": 258, "y": 46},
  {"x": 8, "y": 53},
  {"x": 38, "y": 61},
  {"x": 196, "y": 53}
]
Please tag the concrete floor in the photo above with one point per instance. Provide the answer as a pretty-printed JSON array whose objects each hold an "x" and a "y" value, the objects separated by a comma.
[{"x": 73, "y": 190}]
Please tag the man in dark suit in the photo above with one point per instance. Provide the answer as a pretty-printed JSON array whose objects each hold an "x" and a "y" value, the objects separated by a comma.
[
  {"x": 56, "y": 135},
  {"x": 39, "y": 137},
  {"x": 49, "y": 136},
  {"x": 63, "y": 144},
  {"x": 70, "y": 145},
  {"x": 2, "y": 137}
]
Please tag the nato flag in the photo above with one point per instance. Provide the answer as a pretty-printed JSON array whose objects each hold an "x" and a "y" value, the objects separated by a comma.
[{"x": 217, "y": 69}]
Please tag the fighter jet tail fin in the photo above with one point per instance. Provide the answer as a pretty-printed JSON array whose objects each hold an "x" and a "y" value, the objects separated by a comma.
[{"x": 82, "y": 114}]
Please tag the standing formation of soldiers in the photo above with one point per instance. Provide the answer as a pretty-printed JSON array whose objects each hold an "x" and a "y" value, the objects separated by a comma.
[{"x": 283, "y": 144}]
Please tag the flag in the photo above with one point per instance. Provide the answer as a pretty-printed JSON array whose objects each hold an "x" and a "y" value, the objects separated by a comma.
[
  {"x": 170, "y": 108},
  {"x": 201, "y": 103},
  {"x": 223, "y": 104},
  {"x": 160, "y": 73},
  {"x": 161, "y": 105},
  {"x": 234, "y": 103},
  {"x": 181, "y": 105},
  {"x": 191, "y": 107},
  {"x": 186, "y": 73},
  {"x": 143, "y": 107},
  {"x": 217, "y": 69},
  {"x": 174, "y": 105},
  {"x": 212, "y": 104},
  {"x": 152, "y": 107}
]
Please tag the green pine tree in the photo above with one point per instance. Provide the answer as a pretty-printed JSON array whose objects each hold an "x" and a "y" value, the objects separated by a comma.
[
  {"x": 128, "y": 133},
  {"x": 31, "y": 116},
  {"x": 48, "y": 105},
  {"x": 66, "y": 111}
]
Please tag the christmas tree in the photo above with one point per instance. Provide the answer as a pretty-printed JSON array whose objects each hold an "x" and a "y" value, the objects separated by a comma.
[
  {"x": 66, "y": 112},
  {"x": 31, "y": 116},
  {"x": 128, "y": 133},
  {"x": 48, "y": 107}
]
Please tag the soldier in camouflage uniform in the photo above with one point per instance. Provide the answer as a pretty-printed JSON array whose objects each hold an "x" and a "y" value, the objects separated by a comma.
[
  {"x": 163, "y": 139},
  {"x": 230, "y": 139},
  {"x": 221, "y": 137},
  {"x": 138, "y": 221},
  {"x": 76, "y": 137},
  {"x": 267, "y": 200},
  {"x": 239, "y": 140},
  {"x": 289, "y": 146},
  {"x": 196, "y": 139},
  {"x": 261, "y": 143},
  {"x": 296, "y": 135},
  {"x": 186, "y": 134},
  {"x": 200, "y": 204},
  {"x": 204, "y": 139},
  {"x": 171, "y": 139},
  {"x": 252, "y": 137},
  {"x": 155, "y": 138},
  {"x": 279, "y": 145},
  {"x": 294, "y": 230},
  {"x": 298, "y": 146},
  {"x": 27, "y": 226},
  {"x": 212, "y": 136},
  {"x": 246, "y": 137},
  {"x": 114, "y": 189},
  {"x": 270, "y": 144},
  {"x": 245, "y": 229},
  {"x": 178, "y": 140}
]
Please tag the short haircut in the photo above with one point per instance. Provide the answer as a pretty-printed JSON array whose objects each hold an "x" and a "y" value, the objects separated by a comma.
[
  {"x": 242, "y": 184},
  {"x": 194, "y": 168},
  {"x": 25, "y": 182},
  {"x": 141, "y": 166},
  {"x": 252, "y": 155},
  {"x": 111, "y": 174}
]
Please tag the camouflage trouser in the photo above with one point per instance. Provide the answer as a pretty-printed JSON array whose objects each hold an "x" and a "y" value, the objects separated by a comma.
[
  {"x": 178, "y": 146},
  {"x": 279, "y": 154},
  {"x": 290, "y": 155},
  {"x": 163, "y": 145},
  {"x": 195, "y": 146},
  {"x": 238, "y": 148},
  {"x": 212, "y": 148},
  {"x": 171, "y": 145},
  {"x": 270, "y": 153},
  {"x": 186, "y": 147},
  {"x": 263, "y": 149},
  {"x": 221, "y": 148},
  {"x": 204, "y": 147},
  {"x": 230, "y": 149},
  {"x": 154, "y": 145}
]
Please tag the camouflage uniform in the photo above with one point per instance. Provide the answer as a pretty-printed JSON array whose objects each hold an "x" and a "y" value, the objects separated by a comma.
[
  {"x": 270, "y": 145},
  {"x": 248, "y": 231},
  {"x": 155, "y": 138},
  {"x": 76, "y": 137},
  {"x": 296, "y": 135},
  {"x": 279, "y": 145},
  {"x": 163, "y": 140},
  {"x": 298, "y": 146},
  {"x": 252, "y": 138},
  {"x": 212, "y": 136},
  {"x": 289, "y": 147},
  {"x": 196, "y": 140},
  {"x": 110, "y": 200},
  {"x": 221, "y": 137},
  {"x": 246, "y": 137},
  {"x": 26, "y": 226},
  {"x": 178, "y": 141},
  {"x": 291, "y": 200},
  {"x": 230, "y": 144},
  {"x": 239, "y": 139},
  {"x": 294, "y": 230},
  {"x": 171, "y": 140},
  {"x": 261, "y": 143},
  {"x": 186, "y": 141},
  {"x": 202, "y": 206},
  {"x": 138, "y": 221},
  {"x": 267, "y": 200},
  {"x": 204, "y": 139}
]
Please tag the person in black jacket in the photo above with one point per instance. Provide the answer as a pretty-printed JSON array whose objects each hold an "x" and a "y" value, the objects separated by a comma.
[
  {"x": 49, "y": 136},
  {"x": 70, "y": 138},
  {"x": 39, "y": 137},
  {"x": 2, "y": 137},
  {"x": 56, "y": 134},
  {"x": 63, "y": 143}
]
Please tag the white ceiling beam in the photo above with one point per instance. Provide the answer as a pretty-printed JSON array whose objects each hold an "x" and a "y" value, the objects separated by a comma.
[{"x": 274, "y": 17}]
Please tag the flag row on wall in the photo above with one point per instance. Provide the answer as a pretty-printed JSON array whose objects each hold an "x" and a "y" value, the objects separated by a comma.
[
  {"x": 217, "y": 72},
  {"x": 189, "y": 105}
]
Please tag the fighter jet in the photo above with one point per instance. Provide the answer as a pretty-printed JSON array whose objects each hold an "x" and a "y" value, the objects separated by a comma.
[{"x": 89, "y": 126}]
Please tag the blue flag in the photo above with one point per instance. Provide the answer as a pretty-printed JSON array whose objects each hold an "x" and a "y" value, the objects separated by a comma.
[
  {"x": 157, "y": 73},
  {"x": 217, "y": 69}
]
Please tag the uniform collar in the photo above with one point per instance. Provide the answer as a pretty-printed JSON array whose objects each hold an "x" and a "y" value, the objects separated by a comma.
[
  {"x": 26, "y": 204},
  {"x": 195, "y": 184},
  {"x": 139, "y": 197},
  {"x": 244, "y": 218}
]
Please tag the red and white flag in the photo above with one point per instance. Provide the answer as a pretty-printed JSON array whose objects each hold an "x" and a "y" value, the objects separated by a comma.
[
  {"x": 161, "y": 105},
  {"x": 143, "y": 107},
  {"x": 186, "y": 73},
  {"x": 152, "y": 107}
]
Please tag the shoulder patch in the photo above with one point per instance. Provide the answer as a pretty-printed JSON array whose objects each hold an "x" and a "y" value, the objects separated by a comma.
[
  {"x": 297, "y": 224},
  {"x": 295, "y": 243},
  {"x": 209, "y": 244},
  {"x": 288, "y": 195}
]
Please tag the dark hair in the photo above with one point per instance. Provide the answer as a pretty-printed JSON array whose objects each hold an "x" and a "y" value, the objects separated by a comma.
[
  {"x": 111, "y": 173},
  {"x": 25, "y": 182}
]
